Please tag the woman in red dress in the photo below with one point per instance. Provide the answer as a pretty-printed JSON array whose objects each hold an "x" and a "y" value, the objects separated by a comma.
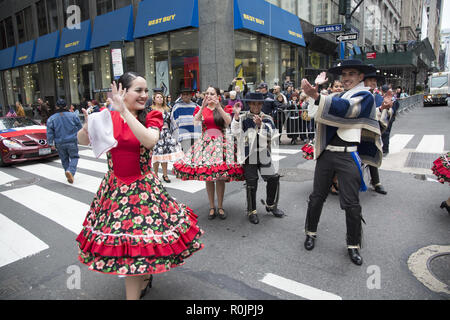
[
  {"x": 134, "y": 228},
  {"x": 212, "y": 158}
]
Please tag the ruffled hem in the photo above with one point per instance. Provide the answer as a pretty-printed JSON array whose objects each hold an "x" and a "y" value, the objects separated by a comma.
[
  {"x": 131, "y": 245},
  {"x": 170, "y": 157},
  {"x": 227, "y": 172}
]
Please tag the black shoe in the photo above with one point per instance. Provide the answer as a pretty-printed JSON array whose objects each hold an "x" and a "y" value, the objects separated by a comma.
[
  {"x": 166, "y": 179},
  {"x": 446, "y": 206},
  {"x": 275, "y": 211},
  {"x": 379, "y": 188},
  {"x": 149, "y": 285},
  {"x": 253, "y": 217},
  {"x": 223, "y": 215},
  {"x": 355, "y": 257},
  {"x": 212, "y": 215},
  {"x": 309, "y": 242}
]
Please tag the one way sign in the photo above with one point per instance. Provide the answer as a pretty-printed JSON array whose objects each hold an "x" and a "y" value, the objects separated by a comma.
[{"x": 347, "y": 37}]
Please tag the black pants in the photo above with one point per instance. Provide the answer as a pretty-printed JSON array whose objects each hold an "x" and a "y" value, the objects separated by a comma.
[
  {"x": 343, "y": 165},
  {"x": 374, "y": 175},
  {"x": 251, "y": 179}
]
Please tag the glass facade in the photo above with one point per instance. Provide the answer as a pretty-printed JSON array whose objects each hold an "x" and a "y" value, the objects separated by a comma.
[
  {"x": 172, "y": 62},
  {"x": 81, "y": 77},
  {"x": 30, "y": 83},
  {"x": 246, "y": 52},
  {"x": 7, "y": 77}
]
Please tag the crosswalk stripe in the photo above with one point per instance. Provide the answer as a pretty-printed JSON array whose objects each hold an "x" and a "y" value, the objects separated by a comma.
[
  {"x": 97, "y": 166},
  {"x": 82, "y": 181},
  {"x": 4, "y": 178},
  {"x": 431, "y": 144},
  {"x": 398, "y": 142},
  {"x": 297, "y": 288},
  {"x": 90, "y": 153},
  {"x": 286, "y": 151},
  {"x": 16, "y": 242},
  {"x": 277, "y": 157},
  {"x": 63, "y": 210}
]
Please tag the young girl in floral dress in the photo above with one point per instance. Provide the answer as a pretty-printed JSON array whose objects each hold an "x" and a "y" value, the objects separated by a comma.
[
  {"x": 134, "y": 227},
  {"x": 212, "y": 158},
  {"x": 167, "y": 149}
]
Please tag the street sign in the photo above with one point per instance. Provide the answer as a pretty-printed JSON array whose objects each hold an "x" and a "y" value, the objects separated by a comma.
[
  {"x": 329, "y": 28},
  {"x": 347, "y": 37},
  {"x": 371, "y": 55}
]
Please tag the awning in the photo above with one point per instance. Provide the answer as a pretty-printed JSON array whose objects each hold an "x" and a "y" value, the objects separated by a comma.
[
  {"x": 75, "y": 40},
  {"x": 24, "y": 53},
  {"x": 265, "y": 18},
  {"x": 113, "y": 26},
  {"x": 7, "y": 57},
  {"x": 155, "y": 16},
  {"x": 47, "y": 47}
]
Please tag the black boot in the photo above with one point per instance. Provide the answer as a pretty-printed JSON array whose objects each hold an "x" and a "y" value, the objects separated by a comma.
[
  {"x": 251, "y": 189},
  {"x": 273, "y": 195},
  {"x": 380, "y": 189},
  {"x": 446, "y": 206},
  {"x": 355, "y": 256}
]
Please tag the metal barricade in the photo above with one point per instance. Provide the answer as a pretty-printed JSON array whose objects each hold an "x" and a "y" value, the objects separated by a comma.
[
  {"x": 406, "y": 104},
  {"x": 294, "y": 124}
]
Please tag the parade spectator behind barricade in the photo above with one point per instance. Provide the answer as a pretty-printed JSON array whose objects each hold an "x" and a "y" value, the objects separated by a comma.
[
  {"x": 169, "y": 101},
  {"x": 288, "y": 92},
  {"x": 239, "y": 93},
  {"x": 287, "y": 83},
  {"x": 73, "y": 109},
  {"x": 182, "y": 120},
  {"x": 19, "y": 109},
  {"x": 279, "y": 116},
  {"x": 95, "y": 106},
  {"x": 293, "y": 118},
  {"x": 44, "y": 111},
  {"x": 62, "y": 130},
  {"x": 233, "y": 99},
  {"x": 109, "y": 104},
  {"x": 385, "y": 135},
  {"x": 269, "y": 99}
]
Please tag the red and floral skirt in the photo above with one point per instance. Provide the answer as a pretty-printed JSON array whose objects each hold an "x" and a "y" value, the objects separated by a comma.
[
  {"x": 137, "y": 229},
  {"x": 441, "y": 168},
  {"x": 210, "y": 159},
  {"x": 308, "y": 151}
]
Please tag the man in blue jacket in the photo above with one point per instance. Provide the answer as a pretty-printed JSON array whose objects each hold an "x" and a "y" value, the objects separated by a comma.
[{"x": 62, "y": 129}]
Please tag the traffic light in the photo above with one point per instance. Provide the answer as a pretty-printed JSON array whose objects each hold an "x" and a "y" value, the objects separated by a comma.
[{"x": 343, "y": 7}]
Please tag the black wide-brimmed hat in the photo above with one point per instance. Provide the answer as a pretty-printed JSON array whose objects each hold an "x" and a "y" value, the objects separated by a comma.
[
  {"x": 374, "y": 75},
  {"x": 254, "y": 96},
  {"x": 189, "y": 90},
  {"x": 352, "y": 64}
]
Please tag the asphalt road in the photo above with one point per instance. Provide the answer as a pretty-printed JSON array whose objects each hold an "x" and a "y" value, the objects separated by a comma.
[{"x": 242, "y": 261}]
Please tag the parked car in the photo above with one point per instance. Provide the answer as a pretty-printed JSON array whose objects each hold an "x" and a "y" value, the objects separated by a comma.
[{"x": 23, "y": 139}]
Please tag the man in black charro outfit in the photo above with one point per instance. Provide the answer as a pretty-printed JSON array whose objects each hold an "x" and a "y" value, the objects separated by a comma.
[{"x": 256, "y": 134}]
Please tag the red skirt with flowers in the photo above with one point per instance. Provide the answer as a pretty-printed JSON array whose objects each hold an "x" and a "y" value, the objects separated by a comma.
[
  {"x": 308, "y": 151},
  {"x": 441, "y": 168},
  {"x": 210, "y": 159},
  {"x": 137, "y": 228}
]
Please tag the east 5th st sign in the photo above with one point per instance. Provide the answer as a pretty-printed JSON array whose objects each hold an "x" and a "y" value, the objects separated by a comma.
[{"x": 347, "y": 37}]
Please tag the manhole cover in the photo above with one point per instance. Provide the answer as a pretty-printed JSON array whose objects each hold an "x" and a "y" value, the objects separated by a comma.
[
  {"x": 439, "y": 265},
  {"x": 421, "y": 160},
  {"x": 18, "y": 184},
  {"x": 294, "y": 174}
]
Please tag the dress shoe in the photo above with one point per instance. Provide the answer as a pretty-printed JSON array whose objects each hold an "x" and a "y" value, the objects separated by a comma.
[
  {"x": 446, "y": 206},
  {"x": 223, "y": 215},
  {"x": 253, "y": 217},
  {"x": 309, "y": 242},
  {"x": 275, "y": 211},
  {"x": 148, "y": 286},
  {"x": 212, "y": 213},
  {"x": 355, "y": 257},
  {"x": 379, "y": 189}
]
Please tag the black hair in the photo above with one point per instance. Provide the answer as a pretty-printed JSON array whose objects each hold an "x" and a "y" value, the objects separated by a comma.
[
  {"x": 218, "y": 120},
  {"x": 126, "y": 80}
]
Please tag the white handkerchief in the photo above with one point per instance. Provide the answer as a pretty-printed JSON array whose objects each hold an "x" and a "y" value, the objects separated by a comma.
[{"x": 101, "y": 132}]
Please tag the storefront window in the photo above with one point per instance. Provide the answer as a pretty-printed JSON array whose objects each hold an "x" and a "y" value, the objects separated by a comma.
[
  {"x": 129, "y": 56},
  {"x": 288, "y": 63},
  {"x": 270, "y": 61},
  {"x": 105, "y": 67},
  {"x": 156, "y": 53},
  {"x": 81, "y": 77},
  {"x": 184, "y": 50},
  {"x": 9, "y": 88},
  {"x": 30, "y": 83},
  {"x": 246, "y": 46},
  {"x": 41, "y": 17},
  {"x": 16, "y": 85},
  {"x": 59, "y": 79}
]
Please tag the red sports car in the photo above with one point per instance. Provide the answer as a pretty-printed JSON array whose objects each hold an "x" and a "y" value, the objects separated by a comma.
[{"x": 23, "y": 139}]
